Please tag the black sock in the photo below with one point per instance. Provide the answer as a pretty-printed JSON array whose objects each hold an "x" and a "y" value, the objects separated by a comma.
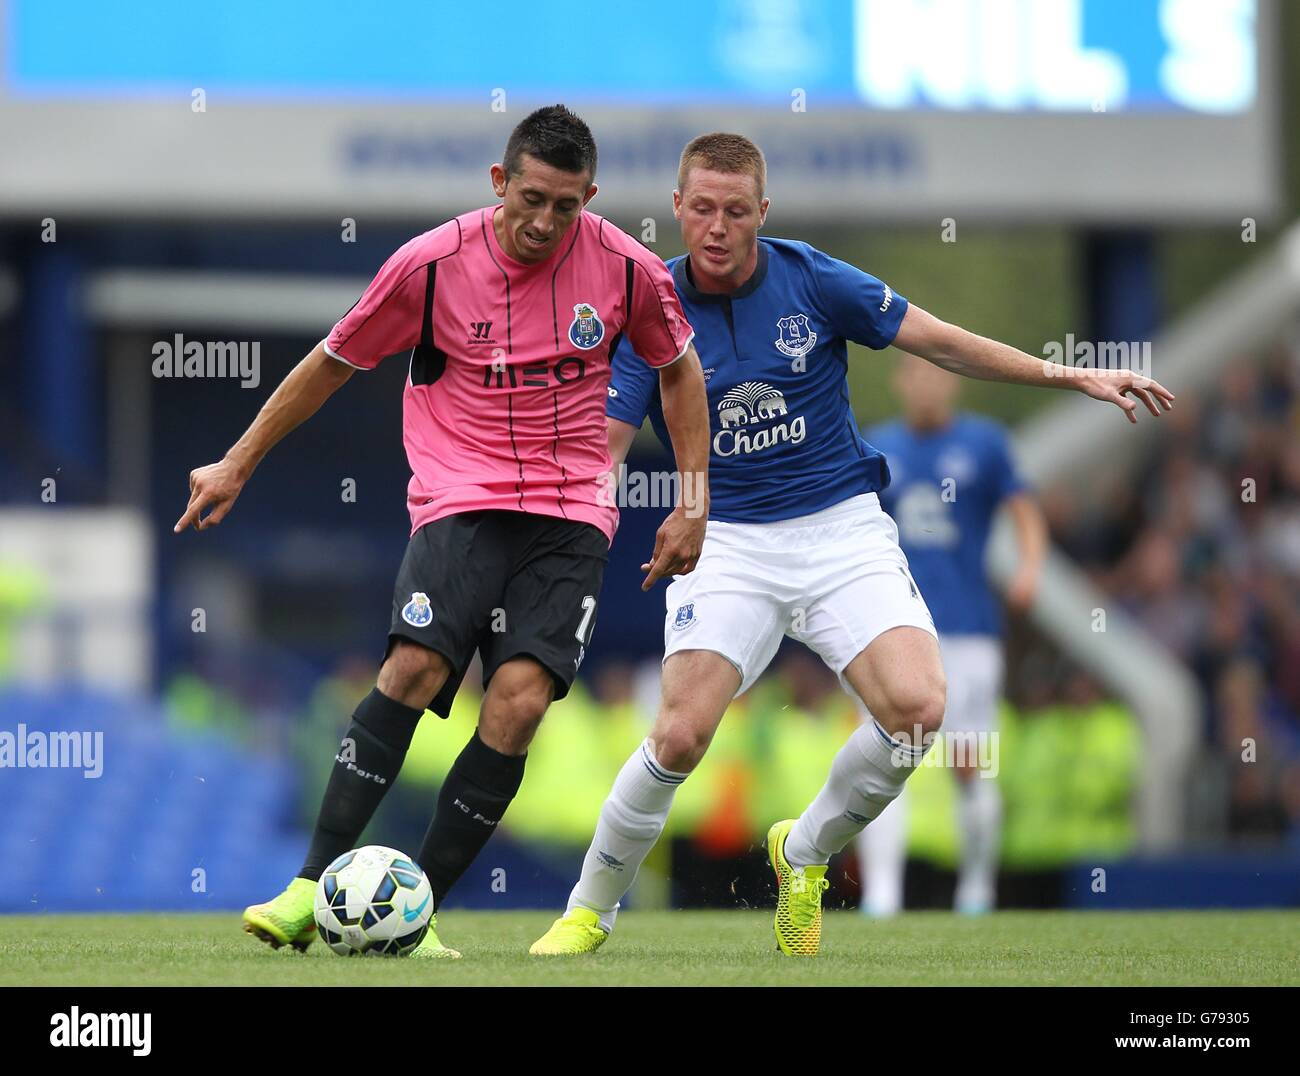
[
  {"x": 478, "y": 789},
  {"x": 379, "y": 735}
]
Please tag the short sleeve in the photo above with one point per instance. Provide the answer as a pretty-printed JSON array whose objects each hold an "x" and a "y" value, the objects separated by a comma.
[
  {"x": 389, "y": 316},
  {"x": 632, "y": 386},
  {"x": 859, "y": 307},
  {"x": 1006, "y": 476},
  {"x": 656, "y": 326}
]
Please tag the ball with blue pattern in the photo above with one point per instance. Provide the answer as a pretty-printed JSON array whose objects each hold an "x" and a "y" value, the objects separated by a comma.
[{"x": 373, "y": 901}]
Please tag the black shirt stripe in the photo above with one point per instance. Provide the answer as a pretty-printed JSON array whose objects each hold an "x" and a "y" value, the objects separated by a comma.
[
  {"x": 428, "y": 362},
  {"x": 555, "y": 452},
  {"x": 555, "y": 319},
  {"x": 510, "y": 418},
  {"x": 504, "y": 276}
]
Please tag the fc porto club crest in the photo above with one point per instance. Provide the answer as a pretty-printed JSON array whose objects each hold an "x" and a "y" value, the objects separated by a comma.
[
  {"x": 685, "y": 616},
  {"x": 418, "y": 612},
  {"x": 586, "y": 330},
  {"x": 794, "y": 337}
]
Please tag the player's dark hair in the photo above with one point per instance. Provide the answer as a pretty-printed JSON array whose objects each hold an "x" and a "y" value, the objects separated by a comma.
[{"x": 557, "y": 137}]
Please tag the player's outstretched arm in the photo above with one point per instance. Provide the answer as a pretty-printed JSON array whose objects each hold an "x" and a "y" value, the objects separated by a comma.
[
  {"x": 962, "y": 352},
  {"x": 686, "y": 411},
  {"x": 298, "y": 397}
]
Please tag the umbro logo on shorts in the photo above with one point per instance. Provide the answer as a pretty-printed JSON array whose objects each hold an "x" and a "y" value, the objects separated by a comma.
[{"x": 418, "y": 612}]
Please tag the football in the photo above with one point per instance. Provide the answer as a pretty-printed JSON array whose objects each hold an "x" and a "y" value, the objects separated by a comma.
[{"x": 373, "y": 901}]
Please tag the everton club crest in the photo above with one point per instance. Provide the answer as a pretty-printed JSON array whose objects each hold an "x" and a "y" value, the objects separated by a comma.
[
  {"x": 794, "y": 337},
  {"x": 587, "y": 329}
]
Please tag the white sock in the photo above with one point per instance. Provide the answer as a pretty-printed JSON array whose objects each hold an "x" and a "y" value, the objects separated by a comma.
[
  {"x": 630, "y": 822},
  {"x": 980, "y": 820},
  {"x": 867, "y": 774},
  {"x": 882, "y": 856}
]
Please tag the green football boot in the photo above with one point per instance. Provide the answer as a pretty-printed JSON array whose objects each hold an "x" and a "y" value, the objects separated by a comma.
[
  {"x": 578, "y": 932},
  {"x": 798, "y": 899},
  {"x": 289, "y": 919},
  {"x": 431, "y": 948}
]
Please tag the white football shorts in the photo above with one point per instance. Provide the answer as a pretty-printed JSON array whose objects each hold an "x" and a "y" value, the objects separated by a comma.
[
  {"x": 833, "y": 580},
  {"x": 972, "y": 665}
]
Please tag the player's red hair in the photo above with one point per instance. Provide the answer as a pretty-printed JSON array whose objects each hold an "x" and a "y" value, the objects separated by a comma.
[{"x": 722, "y": 152}]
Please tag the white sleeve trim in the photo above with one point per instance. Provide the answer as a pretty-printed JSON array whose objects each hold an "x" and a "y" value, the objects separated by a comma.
[
  {"x": 335, "y": 355},
  {"x": 685, "y": 347}
]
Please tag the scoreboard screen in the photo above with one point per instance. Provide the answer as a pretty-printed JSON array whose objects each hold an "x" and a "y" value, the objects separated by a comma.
[
  {"x": 955, "y": 55},
  {"x": 1085, "y": 109}
]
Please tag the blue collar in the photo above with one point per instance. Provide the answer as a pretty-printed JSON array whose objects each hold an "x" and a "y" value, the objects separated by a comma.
[{"x": 682, "y": 278}]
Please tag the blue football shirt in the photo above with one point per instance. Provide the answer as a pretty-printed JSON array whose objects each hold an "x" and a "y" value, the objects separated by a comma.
[
  {"x": 784, "y": 439},
  {"x": 947, "y": 486}
]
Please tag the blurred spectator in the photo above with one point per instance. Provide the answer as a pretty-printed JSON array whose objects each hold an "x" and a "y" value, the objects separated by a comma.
[
  {"x": 21, "y": 592},
  {"x": 1250, "y": 753},
  {"x": 1201, "y": 545}
]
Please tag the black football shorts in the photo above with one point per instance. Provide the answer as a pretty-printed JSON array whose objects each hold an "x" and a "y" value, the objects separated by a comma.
[{"x": 507, "y": 584}]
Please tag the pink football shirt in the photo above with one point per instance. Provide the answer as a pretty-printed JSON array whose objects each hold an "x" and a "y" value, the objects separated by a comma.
[{"x": 509, "y": 363}]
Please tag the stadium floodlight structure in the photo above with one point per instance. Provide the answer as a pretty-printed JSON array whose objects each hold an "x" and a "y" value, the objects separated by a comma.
[{"x": 1240, "y": 317}]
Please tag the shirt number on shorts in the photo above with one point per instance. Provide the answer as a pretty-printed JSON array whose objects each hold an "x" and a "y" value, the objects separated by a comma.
[{"x": 584, "y": 626}]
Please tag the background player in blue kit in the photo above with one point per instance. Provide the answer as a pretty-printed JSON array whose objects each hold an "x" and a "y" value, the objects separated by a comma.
[
  {"x": 797, "y": 543},
  {"x": 951, "y": 472}
]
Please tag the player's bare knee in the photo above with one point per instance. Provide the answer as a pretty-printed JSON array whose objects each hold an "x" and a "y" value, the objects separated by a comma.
[
  {"x": 680, "y": 745},
  {"x": 522, "y": 690},
  {"x": 916, "y": 714},
  {"x": 510, "y": 733},
  {"x": 927, "y": 712},
  {"x": 517, "y": 699},
  {"x": 412, "y": 674}
]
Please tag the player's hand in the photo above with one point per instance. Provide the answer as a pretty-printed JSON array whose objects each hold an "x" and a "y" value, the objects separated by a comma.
[
  {"x": 215, "y": 486},
  {"x": 1021, "y": 590},
  {"x": 1115, "y": 386},
  {"x": 677, "y": 546}
]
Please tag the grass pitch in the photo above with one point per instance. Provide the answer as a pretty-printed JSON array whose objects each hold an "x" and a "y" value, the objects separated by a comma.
[{"x": 726, "y": 948}]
